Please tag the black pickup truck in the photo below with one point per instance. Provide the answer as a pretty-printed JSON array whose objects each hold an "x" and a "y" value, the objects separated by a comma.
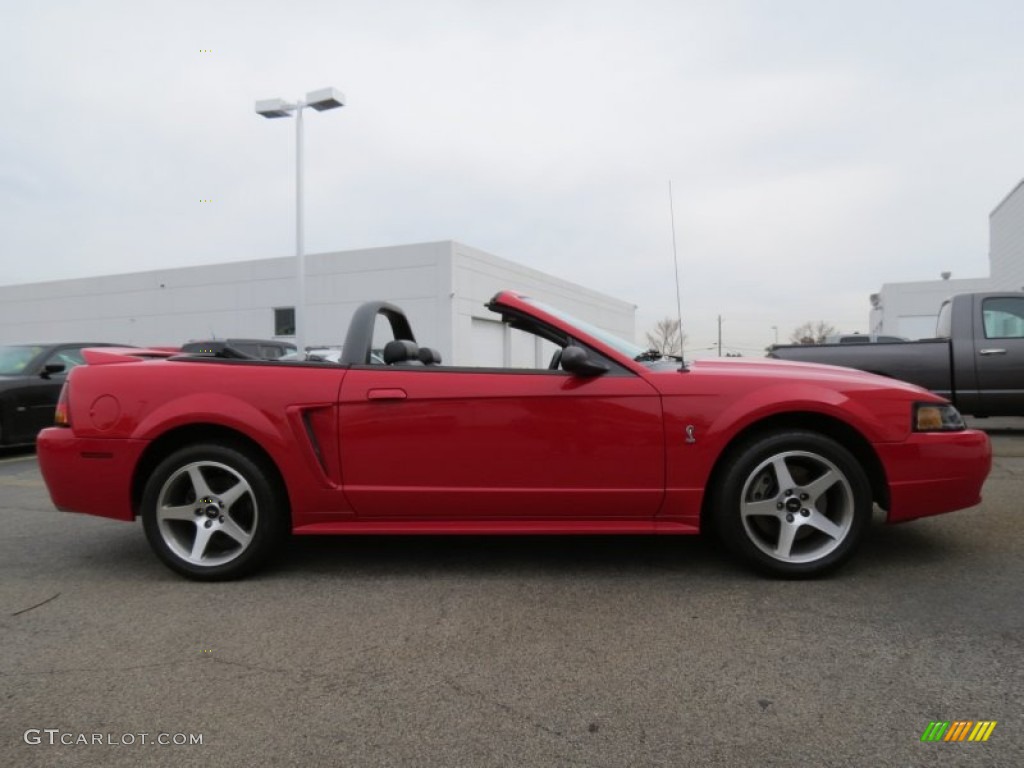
[{"x": 976, "y": 359}]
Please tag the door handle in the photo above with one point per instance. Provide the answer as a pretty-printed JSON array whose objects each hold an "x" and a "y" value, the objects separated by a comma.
[
  {"x": 386, "y": 394},
  {"x": 991, "y": 351}
]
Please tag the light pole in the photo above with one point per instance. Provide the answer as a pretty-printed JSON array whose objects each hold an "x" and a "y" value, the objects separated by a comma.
[
  {"x": 321, "y": 100},
  {"x": 776, "y": 329}
]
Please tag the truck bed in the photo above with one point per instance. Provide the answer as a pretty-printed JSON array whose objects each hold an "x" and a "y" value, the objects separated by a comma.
[{"x": 927, "y": 363}]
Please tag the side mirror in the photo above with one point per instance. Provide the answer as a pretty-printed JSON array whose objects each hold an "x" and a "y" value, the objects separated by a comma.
[
  {"x": 577, "y": 361},
  {"x": 50, "y": 369}
]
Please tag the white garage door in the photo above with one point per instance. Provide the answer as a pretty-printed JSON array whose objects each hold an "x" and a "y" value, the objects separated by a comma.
[
  {"x": 487, "y": 343},
  {"x": 494, "y": 345}
]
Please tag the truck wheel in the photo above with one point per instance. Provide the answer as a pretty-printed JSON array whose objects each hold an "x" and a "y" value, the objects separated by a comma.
[
  {"x": 795, "y": 504},
  {"x": 212, "y": 512}
]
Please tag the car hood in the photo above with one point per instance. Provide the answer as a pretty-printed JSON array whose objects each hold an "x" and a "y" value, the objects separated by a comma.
[{"x": 779, "y": 372}]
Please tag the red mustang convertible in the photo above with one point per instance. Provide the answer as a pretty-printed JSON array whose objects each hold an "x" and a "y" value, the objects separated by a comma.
[{"x": 222, "y": 455}]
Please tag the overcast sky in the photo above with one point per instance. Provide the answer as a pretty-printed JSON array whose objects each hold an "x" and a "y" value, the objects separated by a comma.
[{"x": 816, "y": 149}]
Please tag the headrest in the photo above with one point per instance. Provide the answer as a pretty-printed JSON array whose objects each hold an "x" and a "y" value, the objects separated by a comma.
[
  {"x": 400, "y": 351},
  {"x": 429, "y": 356}
]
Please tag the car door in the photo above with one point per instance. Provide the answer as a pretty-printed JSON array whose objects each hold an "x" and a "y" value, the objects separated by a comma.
[
  {"x": 31, "y": 400},
  {"x": 40, "y": 394},
  {"x": 1000, "y": 355},
  {"x": 431, "y": 442}
]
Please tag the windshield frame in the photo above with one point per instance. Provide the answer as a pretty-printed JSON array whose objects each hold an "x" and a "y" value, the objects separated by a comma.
[{"x": 625, "y": 348}]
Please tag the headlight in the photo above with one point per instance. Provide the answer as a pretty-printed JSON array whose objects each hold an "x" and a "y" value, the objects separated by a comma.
[{"x": 936, "y": 417}]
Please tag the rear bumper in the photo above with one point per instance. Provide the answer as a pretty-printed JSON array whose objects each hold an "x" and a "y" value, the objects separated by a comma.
[
  {"x": 935, "y": 472},
  {"x": 89, "y": 475}
]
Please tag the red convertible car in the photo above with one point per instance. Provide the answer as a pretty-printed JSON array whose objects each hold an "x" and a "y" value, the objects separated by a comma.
[{"x": 222, "y": 455}]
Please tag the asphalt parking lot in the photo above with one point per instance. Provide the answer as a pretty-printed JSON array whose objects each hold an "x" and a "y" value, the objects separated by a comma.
[{"x": 531, "y": 651}]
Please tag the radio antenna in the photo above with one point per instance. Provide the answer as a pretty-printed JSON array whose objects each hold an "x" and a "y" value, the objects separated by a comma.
[{"x": 679, "y": 301}]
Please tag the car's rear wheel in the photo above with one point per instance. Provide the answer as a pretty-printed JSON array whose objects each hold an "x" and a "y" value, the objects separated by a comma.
[
  {"x": 213, "y": 512},
  {"x": 794, "y": 504}
]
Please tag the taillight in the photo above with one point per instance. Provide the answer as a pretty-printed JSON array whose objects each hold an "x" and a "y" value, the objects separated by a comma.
[{"x": 62, "y": 415}]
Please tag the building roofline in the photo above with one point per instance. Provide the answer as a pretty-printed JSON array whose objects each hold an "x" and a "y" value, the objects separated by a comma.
[
  {"x": 1008, "y": 196},
  {"x": 232, "y": 262}
]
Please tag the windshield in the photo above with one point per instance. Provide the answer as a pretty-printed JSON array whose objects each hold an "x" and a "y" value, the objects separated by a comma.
[
  {"x": 630, "y": 350},
  {"x": 14, "y": 359}
]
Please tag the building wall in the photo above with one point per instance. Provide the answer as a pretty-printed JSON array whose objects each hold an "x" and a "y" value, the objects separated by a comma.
[
  {"x": 479, "y": 275},
  {"x": 441, "y": 286},
  {"x": 159, "y": 307},
  {"x": 1006, "y": 241},
  {"x": 223, "y": 300},
  {"x": 415, "y": 277},
  {"x": 910, "y": 309}
]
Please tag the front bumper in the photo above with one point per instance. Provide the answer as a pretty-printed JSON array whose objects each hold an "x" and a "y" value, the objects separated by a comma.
[
  {"x": 935, "y": 472},
  {"x": 89, "y": 475}
]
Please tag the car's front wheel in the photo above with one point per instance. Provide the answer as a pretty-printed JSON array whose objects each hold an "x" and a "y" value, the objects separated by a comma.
[
  {"x": 213, "y": 512},
  {"x": 793, "y": 504}
]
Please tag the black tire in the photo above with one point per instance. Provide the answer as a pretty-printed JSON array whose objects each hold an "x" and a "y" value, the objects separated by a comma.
[
  {"x": 214, "y": 512},
  {"x": 795, "y": 504}
]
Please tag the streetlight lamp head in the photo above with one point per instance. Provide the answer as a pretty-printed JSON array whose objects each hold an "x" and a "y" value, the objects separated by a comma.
[
  {"x": 325, "y": 98},
  {"x": 274, "y": 108}
]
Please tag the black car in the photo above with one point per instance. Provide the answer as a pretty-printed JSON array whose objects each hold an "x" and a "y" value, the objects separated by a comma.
[{"x": 31, "y": 376}]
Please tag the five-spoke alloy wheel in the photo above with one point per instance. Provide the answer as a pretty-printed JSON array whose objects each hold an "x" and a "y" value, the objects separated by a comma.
[
  {"x": 793, "y": 504},
  {"x": 212, "y": 512}
]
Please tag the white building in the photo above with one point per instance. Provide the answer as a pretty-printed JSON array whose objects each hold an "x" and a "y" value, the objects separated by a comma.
[
  {"x": 442, "y": 287},
  {"x": 1006, "y": 241},
  {"x": 910, "y": 309}
]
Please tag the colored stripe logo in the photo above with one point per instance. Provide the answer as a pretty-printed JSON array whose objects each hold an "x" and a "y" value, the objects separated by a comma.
[{"x": 959, "y": 730}]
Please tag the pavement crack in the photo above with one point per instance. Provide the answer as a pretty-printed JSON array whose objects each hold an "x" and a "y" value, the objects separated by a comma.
[
  {"x": 37, "y": 605},
  {"x": 504, "y": 707}
]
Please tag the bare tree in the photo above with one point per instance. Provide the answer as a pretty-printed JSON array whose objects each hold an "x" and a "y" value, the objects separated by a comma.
[
  {"x": 666, "y": 338},
  {"x": 812, "y": 333}
]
